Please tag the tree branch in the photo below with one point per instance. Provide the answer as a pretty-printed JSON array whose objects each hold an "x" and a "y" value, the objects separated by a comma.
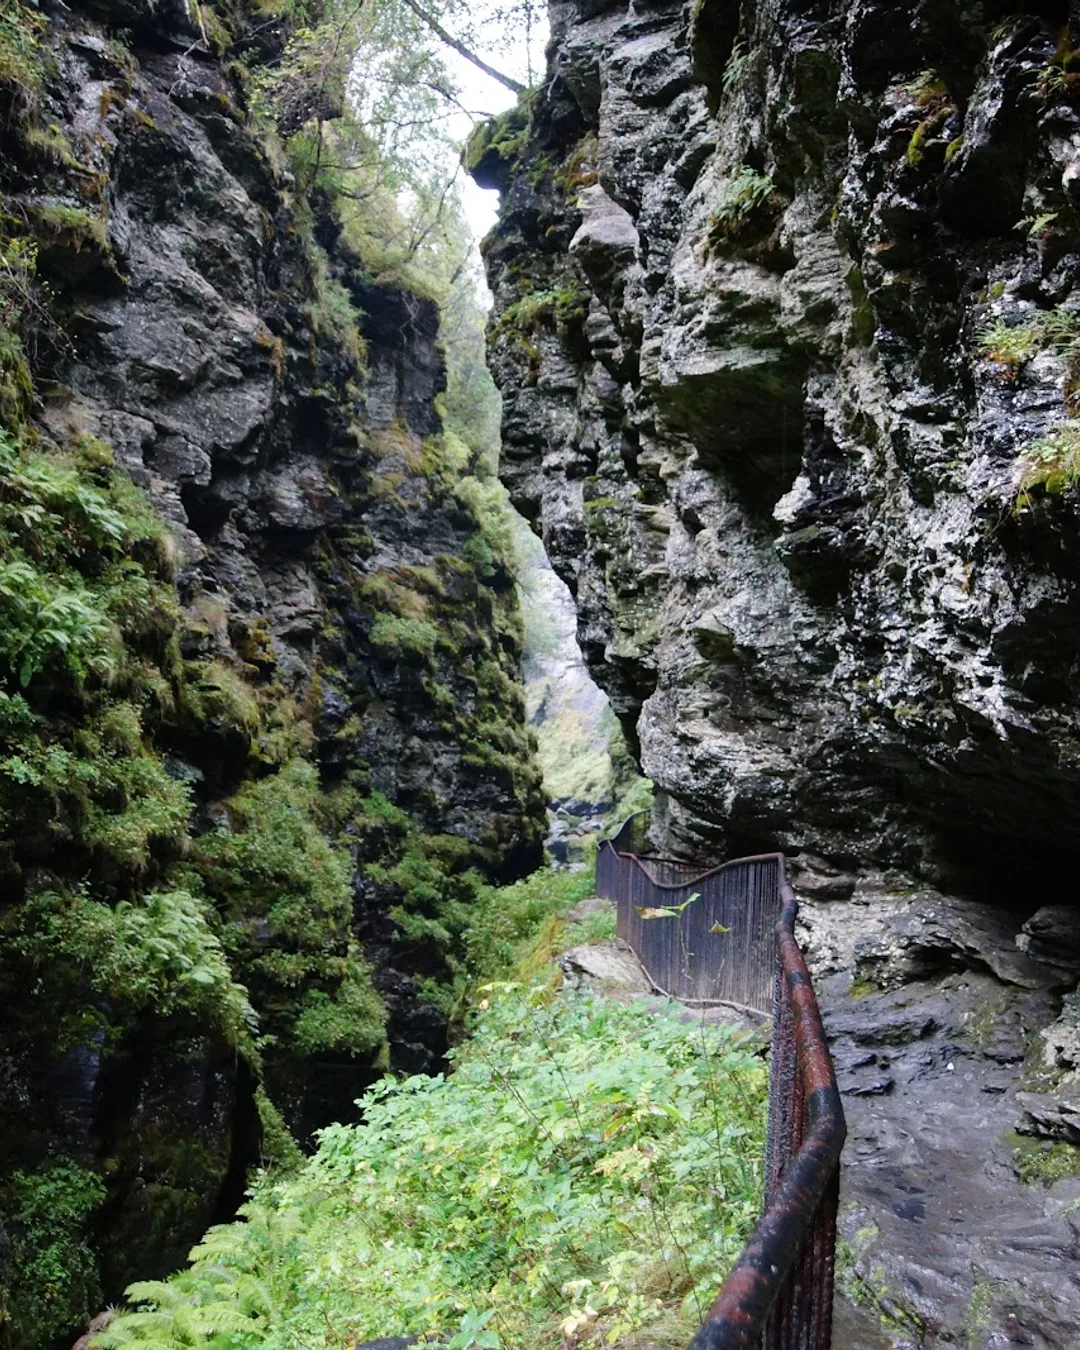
[{"x": 425, "y": 16}]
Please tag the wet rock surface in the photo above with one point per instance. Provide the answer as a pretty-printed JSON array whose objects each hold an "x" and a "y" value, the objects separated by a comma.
[
  {"x": 945, "y": 1242},
  {"x": 741, "y": 274}
]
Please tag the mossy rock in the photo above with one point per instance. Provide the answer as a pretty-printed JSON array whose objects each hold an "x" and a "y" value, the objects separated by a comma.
[{"x": 496, "y": 145}]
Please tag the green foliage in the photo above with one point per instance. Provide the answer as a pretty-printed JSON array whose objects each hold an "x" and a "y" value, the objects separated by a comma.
[
  {"x": 599, "y": 926},
  {"x": 578, "y": 170},
  {"x": 1049, "y": 465},
  {"x": 496, "y": 144},
  {"x": 489, "y": 503},
  {"x": 216, "y": 694},
  {"x": 1009, "y": 345},
  {"x": 332, "y": 311},
  {"x": 18, "y": 260},
  {"x": 927, "y": 88},
  {"x": 72, "y": 225},
  {"x": 916, "y": 149},
  {"x": 275, "y": 866},
  {"x": 574, "y": 760},
  {"x": 404, "y": 636},
  {"x": 1013, "y": 346},
  {"x": 1059, "y": 78},
  {"x": 46, "y": 1214},
  {"x": 505, "y": 921},
  {"x": 87, "y": 609},
  {"x": 1042, "y": 1162},
  {"x": 559, "y": 307},
  {"x": 1037, "y": 223},
  {"x": 588, "y": 1170},
  {"x": 307, "y": 82},
  {"x": 158, "y": 954},
  {"x": 277, "y": 1146},
  {"x": 21, "y": 62},
  {"x": 351, "y": 1022},
  {"x": 738, "y": 63},
  {"x": 404, "y": 591},
  {"x": 68, "y": 581},
  {"x": 742, "y": 206}
]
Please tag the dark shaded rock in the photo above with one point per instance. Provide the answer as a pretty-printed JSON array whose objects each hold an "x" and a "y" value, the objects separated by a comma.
[
  {"x": 1050, "y": 1115},
  {"x": 1052, "y": 934}
]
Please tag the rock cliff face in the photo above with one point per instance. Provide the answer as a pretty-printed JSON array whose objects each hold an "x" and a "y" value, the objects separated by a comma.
[
  {"x": 322, "y": 704},
  {"x": 745, "y": 259},
  {"x": 785, "y": 325}
]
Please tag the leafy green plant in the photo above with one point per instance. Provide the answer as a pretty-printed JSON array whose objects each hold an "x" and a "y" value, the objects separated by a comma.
[
  {"x": 741, "y": 206},
  {"x": 1014, "y": 345},
  {"x": 588, "y": 1169},
  {"x": 738, "y": 63},
  {"x": 159, "y": 953},
  {"x": 58, "y": 606},
  {"x": 332, "y": 311},
  {"x": 1050, "y": 464},
  {"x": 1009, "y": 345},
  {"x": 1037, "y": 223},
  {"x": 557, "y": 307},
  {"x": 926, "y": 88},
  {"x": 46, "y": 1214}
]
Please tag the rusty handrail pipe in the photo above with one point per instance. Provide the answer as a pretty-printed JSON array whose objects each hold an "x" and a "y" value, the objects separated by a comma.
[
  {"x": 738, "y": 1317},
  {"x": 778, "y": 1296}
]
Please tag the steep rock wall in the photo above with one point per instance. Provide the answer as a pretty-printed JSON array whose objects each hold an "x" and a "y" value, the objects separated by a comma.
[
  {"x": 314, "y": 731},
  {"x": 744, "y": 260}
]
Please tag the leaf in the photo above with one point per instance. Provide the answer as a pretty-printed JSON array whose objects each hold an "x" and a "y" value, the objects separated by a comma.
[
  {"x": 653, "y": 912},
  {"x": 719, "y": 928}
]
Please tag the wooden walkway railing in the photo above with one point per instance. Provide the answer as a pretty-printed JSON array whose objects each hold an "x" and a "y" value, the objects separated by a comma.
[{"x": 734, "y": 942}]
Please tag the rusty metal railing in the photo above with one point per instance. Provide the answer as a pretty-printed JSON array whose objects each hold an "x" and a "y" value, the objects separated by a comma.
[{"x": 730, "y": 945}]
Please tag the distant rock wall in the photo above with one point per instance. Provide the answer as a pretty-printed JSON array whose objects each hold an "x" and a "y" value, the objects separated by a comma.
[{"x": 582, "y": 755}]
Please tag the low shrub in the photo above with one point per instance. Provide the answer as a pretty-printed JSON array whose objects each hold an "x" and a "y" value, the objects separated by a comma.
[{"x": 588, "y": 1170}]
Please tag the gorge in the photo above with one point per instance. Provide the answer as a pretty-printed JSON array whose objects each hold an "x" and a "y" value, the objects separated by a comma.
[{"x": 787, "y": 336}]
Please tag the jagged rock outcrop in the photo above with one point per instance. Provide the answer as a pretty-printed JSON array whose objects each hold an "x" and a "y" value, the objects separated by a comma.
[
  {"x": 315, "y": 681},
  {"x": 744, "y": 261},
  {"x": 785, "y": 323}
]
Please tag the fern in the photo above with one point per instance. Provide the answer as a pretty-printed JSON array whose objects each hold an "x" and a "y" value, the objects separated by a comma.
[{"x": 572, "y": 1138}]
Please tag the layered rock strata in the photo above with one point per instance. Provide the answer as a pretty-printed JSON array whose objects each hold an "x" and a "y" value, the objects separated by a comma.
[{"x": 745, "y": 262}]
